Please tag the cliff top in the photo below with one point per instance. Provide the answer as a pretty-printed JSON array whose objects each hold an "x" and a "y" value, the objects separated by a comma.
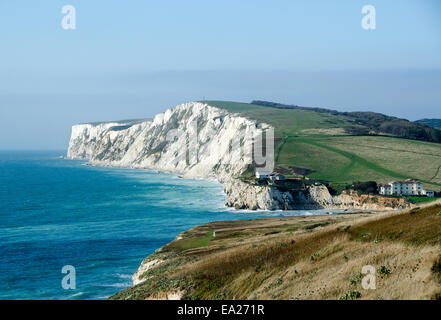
[{"x": 128, "y": 121}]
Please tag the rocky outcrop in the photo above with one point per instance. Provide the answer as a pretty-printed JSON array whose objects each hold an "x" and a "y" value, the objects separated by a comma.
[
  {"x": 146, "y": 265},
  {"x": 351, "y": 199},
  {"x": 243, "y": 195}
]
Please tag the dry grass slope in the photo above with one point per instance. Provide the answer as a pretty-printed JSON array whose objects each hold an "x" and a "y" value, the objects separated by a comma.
[{"x": 303, "y": 258}]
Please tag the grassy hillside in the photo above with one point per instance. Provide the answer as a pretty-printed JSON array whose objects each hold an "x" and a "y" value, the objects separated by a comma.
[
  {"x": 320, "y": 142},
  {"x": 373, "y": 122},
  {"x": 317, "y": 257},
  {"x": 434, "y": 123}
]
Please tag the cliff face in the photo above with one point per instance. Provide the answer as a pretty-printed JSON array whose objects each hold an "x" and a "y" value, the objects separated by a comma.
[
  {"x": 106, "y": 141},
  {"x": 195, "y": 140},
  {"x": 161, "y": 143},
  {"x": 242, "y": 195}
]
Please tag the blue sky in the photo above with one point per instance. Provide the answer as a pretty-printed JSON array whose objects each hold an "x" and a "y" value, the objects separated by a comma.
[{"x": 135, "y": 58}]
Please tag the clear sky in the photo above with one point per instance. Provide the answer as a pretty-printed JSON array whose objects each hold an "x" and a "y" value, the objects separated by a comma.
[{"x": 133, "y": 59}]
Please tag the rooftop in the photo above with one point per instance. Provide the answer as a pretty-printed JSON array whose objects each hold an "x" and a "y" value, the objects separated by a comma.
[{"x": 406, "y": 181}]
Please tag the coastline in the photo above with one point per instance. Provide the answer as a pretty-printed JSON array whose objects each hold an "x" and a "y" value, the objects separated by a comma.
[
  {"x": 145, "y": 146},
  {"x": 152, "y": 261}
]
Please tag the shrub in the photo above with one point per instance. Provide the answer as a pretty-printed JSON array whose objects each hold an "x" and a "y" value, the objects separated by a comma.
[
  {"x": 350, "y": 295},
  {"x": 366, "y": 187},
  {"x": 315, "y": 256},
  {"x": 355, "y": 279},
  {"x": 436, "y": 268},
  {"x": 336, "y": 189},
  {"x": 384, "y": 270},
  {"x": 355, "y": 294}
]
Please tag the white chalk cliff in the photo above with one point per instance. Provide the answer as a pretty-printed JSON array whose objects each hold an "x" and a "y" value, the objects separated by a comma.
[{"x": 158, "y": 144}]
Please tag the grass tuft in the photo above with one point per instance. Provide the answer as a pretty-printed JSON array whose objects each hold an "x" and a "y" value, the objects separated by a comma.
[{"x": 436, "y": 269}]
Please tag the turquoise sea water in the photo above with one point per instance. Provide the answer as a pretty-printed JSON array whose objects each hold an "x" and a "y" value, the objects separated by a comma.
[{"x": 102, "y": 221}]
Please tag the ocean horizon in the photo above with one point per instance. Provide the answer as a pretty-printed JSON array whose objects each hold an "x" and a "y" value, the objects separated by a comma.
[{"x": 103, "y": 221}]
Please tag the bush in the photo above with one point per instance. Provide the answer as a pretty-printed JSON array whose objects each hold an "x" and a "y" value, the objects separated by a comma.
[
  {"x": 436, "y": 296},
  {"x": 336, "y": 189},
  {"x": 355, "y": 279},
  {"x": 436, "y": 268},
  {"x": 384, "y": 270},
  {"x": 366, "y": 187},
  {"x": 315, "y": 256},
  {"x": 351, "y": 295}
]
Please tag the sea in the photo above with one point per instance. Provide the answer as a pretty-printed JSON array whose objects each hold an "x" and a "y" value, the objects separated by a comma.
[{"x": 98, "y": 223}]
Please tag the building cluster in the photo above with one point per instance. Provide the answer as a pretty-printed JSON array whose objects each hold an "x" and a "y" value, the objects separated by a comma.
[{"x": 408, "y": 187}]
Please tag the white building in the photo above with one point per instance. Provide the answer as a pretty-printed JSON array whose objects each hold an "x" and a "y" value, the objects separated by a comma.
[
  {"x": 429, "y": 193},
  {"x": 262, "y": 175},
  {"x": 276, "y": 177},
  {"x": 385, "y": 189},
  {"x": 407, "y": 188},
  {"x": 272, "y": 176}
]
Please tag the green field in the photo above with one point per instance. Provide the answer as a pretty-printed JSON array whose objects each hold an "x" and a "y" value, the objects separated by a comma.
[{"x": 317, "y": 141}]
